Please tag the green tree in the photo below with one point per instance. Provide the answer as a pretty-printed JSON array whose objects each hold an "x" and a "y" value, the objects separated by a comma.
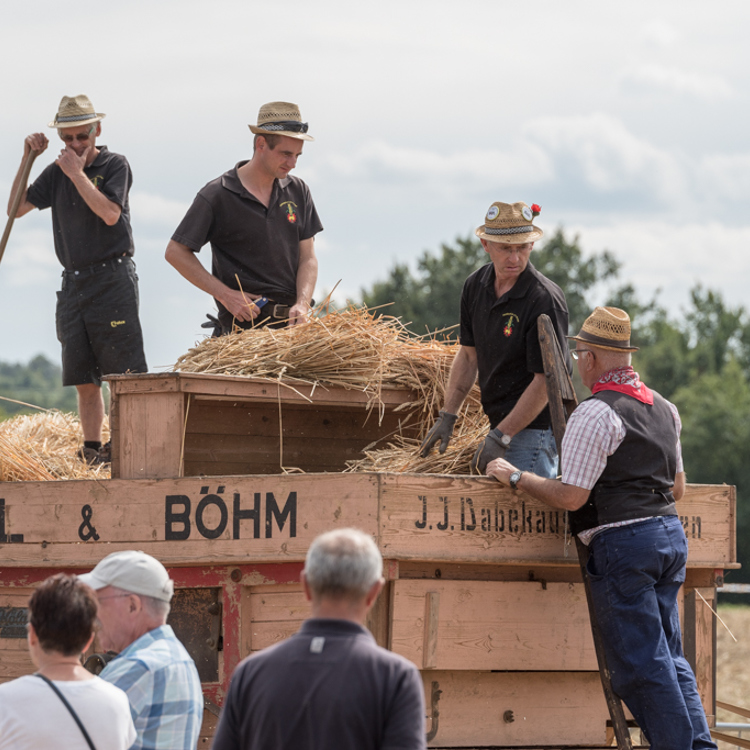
[
  {"x": 39, "y": 383},
  {"x": 715, "y": 412}
]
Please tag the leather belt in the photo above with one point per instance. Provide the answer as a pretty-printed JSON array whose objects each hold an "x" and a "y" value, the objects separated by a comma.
[{"x": 279, "y": 312}]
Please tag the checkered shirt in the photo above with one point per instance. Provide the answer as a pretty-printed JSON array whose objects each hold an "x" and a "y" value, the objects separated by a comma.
[
  {"x": 593, "y": 433},
  {"x": 164, "y": 690}
]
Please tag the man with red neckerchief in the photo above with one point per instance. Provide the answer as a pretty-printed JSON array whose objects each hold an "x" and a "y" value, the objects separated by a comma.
[{"x": 621, "y": 475}]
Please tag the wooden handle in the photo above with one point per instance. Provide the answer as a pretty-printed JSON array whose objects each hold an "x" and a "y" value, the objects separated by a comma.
[{"x": 28, "y": 161}]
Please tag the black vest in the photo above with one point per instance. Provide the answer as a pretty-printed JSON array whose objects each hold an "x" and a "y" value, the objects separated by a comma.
[{"x": 638, "y": 477}]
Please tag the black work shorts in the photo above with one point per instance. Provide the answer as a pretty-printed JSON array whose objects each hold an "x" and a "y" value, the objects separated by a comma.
[{"x": 97, "y": 322}]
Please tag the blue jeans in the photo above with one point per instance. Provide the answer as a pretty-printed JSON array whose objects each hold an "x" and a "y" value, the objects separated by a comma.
[
  {"x": 635, "y": 573},
  {"x": 534, "y": 450}
]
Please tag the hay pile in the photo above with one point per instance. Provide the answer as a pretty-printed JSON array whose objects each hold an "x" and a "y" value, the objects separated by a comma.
[
  {"x": 42, "y": 447},
  {"x": 353, "y": 349}
]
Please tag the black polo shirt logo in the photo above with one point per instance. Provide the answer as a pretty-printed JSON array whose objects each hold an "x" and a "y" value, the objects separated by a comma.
[
  {"x": 97, "y": 181},
  {"x": 512, "y": 319},
  {"x": 291, "y": 211}
]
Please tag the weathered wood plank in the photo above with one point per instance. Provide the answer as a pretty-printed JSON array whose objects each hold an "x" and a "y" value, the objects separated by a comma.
[
  {"x": 515, "y": 709},
  {"x": 699, "y": 630},
  {"x": 472, "y": 519},
  {"x": 149, "y": 431},
  {"x": 237, "y": 386},
  {"x": 181, "y": 521},
  {"x": 493, "y": 625},
  {"x": 222, "y": 519}
]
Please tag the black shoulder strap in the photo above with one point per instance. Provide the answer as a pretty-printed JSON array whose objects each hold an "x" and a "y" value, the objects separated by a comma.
[{"x": 69, "y": 707}]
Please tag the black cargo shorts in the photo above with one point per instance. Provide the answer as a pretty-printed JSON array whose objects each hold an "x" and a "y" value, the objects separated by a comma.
[{"x": 98, "y": 324}]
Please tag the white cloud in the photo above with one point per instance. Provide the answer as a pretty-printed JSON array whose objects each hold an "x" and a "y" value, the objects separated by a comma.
[
  {"x": 524, "y": 164},
  {"x": 659, "y": 33},
  {"x": 661, "y": 78},
  {"x": 674, "y": 258},
  {"x": 156, "y": 209},
  {"x": 599, "y": 151}
]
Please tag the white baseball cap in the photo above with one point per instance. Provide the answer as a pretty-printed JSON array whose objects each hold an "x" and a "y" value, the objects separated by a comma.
[{"x": 132, "y": 571}]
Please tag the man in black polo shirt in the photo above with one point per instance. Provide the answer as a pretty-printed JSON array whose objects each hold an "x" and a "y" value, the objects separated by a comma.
[
  {"x": 330, "y": 685},
  {"x": 87, "y": 189},
  {"x": 261, "y": 223},
  {"x": 500, "y": 305}
]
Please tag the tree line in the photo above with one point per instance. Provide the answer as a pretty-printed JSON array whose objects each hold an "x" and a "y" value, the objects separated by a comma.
[{"x": 699, "y": 359}]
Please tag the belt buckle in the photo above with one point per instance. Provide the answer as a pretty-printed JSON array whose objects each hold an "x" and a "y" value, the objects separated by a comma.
[{"x": 275, "y": 311}]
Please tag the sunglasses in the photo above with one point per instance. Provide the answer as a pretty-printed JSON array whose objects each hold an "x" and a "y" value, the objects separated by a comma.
[{"x": 80, "y": 137}]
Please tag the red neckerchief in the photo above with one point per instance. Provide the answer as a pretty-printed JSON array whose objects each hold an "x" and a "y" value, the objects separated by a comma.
[{"x": 625, "y": 380}]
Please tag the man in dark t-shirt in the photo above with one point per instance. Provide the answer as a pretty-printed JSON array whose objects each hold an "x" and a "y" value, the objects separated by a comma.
[
  {"x": 500, "y": 305},
  {"x": 97, "y": 319},
  {"x": 329, "y": 685},
  {"x": 261, "y": 223}
]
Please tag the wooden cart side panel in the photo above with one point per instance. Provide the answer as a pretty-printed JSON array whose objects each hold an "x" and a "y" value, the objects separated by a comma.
[
  {"x": 148, "y": 430},
  {"x": 14, "y": 651},
  {"x": 445, "y": 518},
  {"x": 515, "y": 709},
  {"x": 476, "y": 625},
  {"x": 235, "y": 519}
]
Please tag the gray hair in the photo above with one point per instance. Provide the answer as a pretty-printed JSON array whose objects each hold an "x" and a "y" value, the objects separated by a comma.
[{"x": 343, "y": 564}]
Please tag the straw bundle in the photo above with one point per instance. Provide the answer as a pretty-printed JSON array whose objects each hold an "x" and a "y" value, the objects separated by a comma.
[
  {"x": 353, "y": 349},
  {"x": 42, "y": 447}
]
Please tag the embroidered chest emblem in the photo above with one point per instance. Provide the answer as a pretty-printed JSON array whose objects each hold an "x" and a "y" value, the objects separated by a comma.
[
  {"x": 512, "y": 319},
  {"x": 97, "y": 181},
  {"x": 291, "y": 211}
]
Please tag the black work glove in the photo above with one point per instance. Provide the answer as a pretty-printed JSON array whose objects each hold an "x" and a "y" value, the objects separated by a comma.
[
  {"x": 488, "y": 451},
  {"x": 442, "y": 430}
]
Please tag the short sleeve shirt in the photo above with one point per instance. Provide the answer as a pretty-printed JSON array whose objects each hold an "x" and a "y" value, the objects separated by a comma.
[
  {"x": 81, "y": 237},
  {"x": 256, "y": 244},
  {"x": 504, "y": 333}
]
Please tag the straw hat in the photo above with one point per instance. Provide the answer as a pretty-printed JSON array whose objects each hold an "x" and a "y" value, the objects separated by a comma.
[
  {"x": 74, "y": 111},
  {"x": 510, "y": 224},
  {"x": 607, "y": 328},
  {"x": 281, "y": 118}
]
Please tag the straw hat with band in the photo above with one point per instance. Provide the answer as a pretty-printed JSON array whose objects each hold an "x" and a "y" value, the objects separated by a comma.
[
  {"x": 281, "y": 118},
  {"x": 509, "y": 224},
  {"x": 607, "y": 328},
  {"x": 75, "y": 111}
]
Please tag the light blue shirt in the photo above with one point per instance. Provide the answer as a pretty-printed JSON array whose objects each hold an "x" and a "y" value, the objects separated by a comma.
[{"x": 163, "y": 688}]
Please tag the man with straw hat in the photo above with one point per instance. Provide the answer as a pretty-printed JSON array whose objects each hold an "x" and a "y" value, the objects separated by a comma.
[
  {"x": 500, "y": 305},
  {"x": 621, "y": 475},
  {"x": 261, "y": 223},
  {"x": 87, "y": 189}
]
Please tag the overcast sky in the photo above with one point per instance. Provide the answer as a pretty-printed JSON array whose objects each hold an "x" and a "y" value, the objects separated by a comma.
[{"x": 626, "y": 122}]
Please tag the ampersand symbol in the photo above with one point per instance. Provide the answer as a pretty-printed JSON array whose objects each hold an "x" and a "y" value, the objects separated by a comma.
[{"x": 86, "y": 531}]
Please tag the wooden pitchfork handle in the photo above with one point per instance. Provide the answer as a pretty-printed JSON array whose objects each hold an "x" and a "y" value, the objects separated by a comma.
[{"x": 23, "y": 182}]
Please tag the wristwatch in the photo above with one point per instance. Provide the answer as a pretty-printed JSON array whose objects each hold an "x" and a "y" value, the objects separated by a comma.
[
  {"x": 515, "y": 478},
  {"x": 504, "y": 439}
]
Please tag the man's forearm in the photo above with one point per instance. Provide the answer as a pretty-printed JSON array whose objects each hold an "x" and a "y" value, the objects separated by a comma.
[
  {"x": 108, "y": 211},
  {"x": 462, "y": 378},
  {"x": 551, "y": 492},
  {"x": 307, "y": 277},
  {"x": 527, "y": 408}
]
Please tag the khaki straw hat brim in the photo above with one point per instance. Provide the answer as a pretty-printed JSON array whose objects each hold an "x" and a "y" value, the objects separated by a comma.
[
  {"x": 287, "y": 133},
  {"x": 510, "y": 239},
  {"x": 589, "y": 339}
]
